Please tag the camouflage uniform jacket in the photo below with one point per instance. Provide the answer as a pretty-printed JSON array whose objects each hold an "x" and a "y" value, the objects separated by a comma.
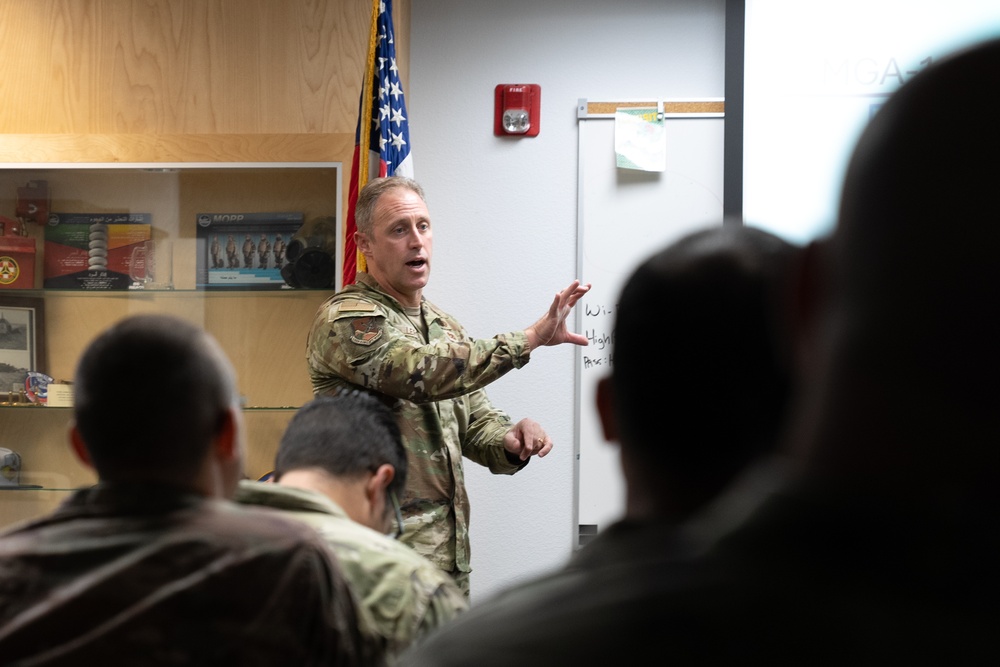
[
  {"x": 361, "y": 337},
  {"x": 150, "y": 574},
  {"x": 405, "y": 595}
]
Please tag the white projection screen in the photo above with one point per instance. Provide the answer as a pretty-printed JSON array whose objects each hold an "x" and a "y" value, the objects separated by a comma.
[{"x": 814, "y": 72}]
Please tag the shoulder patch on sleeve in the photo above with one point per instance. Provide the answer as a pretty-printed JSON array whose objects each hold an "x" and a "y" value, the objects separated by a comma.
[
  {"x": 344, "y": 307},
  {"x": 356, "y": 304},
  {"x": 367, "y": 330}
]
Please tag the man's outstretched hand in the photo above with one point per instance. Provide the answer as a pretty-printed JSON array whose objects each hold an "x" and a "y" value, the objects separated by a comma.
[{"x": 551, "y": 328}]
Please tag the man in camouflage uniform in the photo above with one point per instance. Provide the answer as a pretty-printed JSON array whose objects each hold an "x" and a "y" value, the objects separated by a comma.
[
  {"x": 154, "y": 565},
  {"x": 381, "y": 334},
  {"x": 341, "y": 467}
]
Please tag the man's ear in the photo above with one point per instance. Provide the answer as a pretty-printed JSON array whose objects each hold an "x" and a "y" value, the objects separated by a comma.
[
  {"x": 361, "y": 243},
  {"x": 225, "y": 445},
  {"x": 809, "y": 292},
  {"x": 79, "y": 446},
  {"x": 379, "y": 481},
  {"x": 378, "y": 517},
  {"x": 606, "y": 409}
]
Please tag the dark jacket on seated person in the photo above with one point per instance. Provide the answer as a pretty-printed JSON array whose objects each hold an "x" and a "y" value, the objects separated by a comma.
[{"x": 136, "y": 574}]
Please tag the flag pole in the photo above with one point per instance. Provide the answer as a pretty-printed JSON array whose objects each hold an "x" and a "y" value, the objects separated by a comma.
[
  {"x": 366, "y": 112},
  {"x": 366, "y": 99}
]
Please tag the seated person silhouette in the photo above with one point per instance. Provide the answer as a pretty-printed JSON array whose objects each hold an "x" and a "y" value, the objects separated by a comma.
[
  {"x": 340, "y": 467},
  {"x": 698, "y": 392},
  {"x": 153, "y": 564}
]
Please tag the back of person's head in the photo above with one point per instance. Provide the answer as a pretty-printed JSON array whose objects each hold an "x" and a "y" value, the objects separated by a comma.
[
  {"x": 346, "y": 435},
  {"x": 150, "y": 394},
  {"x": 700, "y": 377},
  {"x": 916, "y": 240},
  {"x": 904, "y": 390}
]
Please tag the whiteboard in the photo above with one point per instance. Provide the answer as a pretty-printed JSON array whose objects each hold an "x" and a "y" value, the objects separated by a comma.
[{"x": 623, "y": 217}]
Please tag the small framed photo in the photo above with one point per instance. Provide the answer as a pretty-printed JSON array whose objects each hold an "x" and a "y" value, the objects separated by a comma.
[{"x": 22, "y": 339}]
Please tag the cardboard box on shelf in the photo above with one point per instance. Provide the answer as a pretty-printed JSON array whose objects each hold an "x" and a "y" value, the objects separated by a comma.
[{"x": 244, "y": 251}]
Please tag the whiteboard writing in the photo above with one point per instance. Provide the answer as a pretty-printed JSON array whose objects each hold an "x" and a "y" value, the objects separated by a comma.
[{"x": 625, "y": 216}]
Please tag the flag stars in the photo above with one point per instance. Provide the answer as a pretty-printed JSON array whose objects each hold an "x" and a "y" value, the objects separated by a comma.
[{"x": 388, "y": 150}]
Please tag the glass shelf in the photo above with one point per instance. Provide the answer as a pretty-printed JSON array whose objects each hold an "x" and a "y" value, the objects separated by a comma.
[
  {"x": 32, "y": 487},
  {"x": 38, "y": 406},
  {"x": 180, "y": 292},
  {"x": 261, "y": 325}
]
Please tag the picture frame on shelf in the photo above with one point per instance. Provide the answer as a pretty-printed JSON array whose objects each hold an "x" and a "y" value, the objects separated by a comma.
[{"x": 22, "y": 339}]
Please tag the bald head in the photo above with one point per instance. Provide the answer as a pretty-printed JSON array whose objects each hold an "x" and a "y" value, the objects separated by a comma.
[{"x": 151, "y": 392}]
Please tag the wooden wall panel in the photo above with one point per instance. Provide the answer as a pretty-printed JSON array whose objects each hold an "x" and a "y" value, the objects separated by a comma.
[
  {"x": 178, "y": 81},
  {"x": 185, "y": 67}
]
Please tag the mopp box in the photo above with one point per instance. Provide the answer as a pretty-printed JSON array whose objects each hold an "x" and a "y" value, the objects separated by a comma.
[
  {"x": 244, "y": 251},
  {"x": 92, "y": 251}
]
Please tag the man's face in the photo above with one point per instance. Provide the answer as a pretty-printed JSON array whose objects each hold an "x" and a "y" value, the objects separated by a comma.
[{"x": 399, "y": 250}]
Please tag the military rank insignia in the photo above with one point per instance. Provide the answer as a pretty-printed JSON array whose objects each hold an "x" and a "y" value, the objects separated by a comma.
[{"x": 366, "y": 331}]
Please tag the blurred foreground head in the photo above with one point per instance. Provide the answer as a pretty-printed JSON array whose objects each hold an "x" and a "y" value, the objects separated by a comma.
[
  {"x": 903, "y": 337},
  {"x": 701, "y": 377}
]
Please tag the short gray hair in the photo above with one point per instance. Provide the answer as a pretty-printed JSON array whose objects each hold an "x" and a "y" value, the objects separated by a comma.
[{"x": 364, "y": 209}]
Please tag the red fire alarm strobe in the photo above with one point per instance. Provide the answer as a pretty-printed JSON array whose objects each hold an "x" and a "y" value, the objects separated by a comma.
[{"x": 517, "y": 110}]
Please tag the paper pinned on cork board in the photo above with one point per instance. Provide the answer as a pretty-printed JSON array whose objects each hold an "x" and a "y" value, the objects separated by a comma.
[{"x": 640, "y": 139}]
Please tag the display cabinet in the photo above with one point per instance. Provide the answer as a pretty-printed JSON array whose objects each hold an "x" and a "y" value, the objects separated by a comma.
[{"x": 261, "y": 323}]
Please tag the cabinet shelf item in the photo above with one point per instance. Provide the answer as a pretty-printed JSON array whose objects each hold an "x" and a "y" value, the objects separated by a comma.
[{"x": 262, "y": 330}]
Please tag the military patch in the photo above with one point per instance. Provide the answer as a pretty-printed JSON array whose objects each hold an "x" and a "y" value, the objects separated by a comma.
[
  {"x": 452, "y": 336},
  {"x": 352, "y": 306},
  {"x": 366, "y": 330}
]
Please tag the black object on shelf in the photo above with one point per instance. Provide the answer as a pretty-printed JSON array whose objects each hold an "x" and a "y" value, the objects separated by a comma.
[{"x": 312, "y": 255}]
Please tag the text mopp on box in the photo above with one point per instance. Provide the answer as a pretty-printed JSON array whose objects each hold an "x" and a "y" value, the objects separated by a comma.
[{"x": 244, "y": 250}]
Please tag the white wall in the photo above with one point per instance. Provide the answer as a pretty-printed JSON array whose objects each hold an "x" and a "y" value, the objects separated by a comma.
[{"x": 505, "y": 210}]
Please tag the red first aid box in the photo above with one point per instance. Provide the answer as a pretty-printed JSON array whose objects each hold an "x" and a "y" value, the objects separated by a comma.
[{"x": 17, "y": 262}]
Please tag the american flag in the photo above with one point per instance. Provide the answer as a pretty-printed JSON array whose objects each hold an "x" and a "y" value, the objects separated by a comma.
[{"x": 385, "y": 149}]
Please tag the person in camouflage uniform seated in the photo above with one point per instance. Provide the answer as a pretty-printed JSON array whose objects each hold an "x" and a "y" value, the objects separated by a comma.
[
  {"x": 154, "y": 564},
  {"x": 381, "y": 334},
  {"x": 341, "y": 467}
]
